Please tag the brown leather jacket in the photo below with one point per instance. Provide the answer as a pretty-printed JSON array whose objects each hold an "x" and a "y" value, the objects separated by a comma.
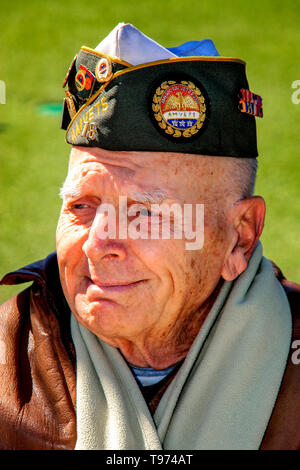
[{"x": 37, "y": 368}]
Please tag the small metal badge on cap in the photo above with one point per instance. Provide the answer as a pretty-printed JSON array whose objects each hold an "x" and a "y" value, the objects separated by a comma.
[
  {"x": 179, "y": 108},
  {"x": 103, "y": 70}
]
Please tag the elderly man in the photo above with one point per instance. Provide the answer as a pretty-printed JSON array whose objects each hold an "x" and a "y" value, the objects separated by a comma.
[{"x": 132, "y": 336}]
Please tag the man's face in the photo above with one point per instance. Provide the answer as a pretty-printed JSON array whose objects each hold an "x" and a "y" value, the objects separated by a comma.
[{"x": 139, "y": 291}]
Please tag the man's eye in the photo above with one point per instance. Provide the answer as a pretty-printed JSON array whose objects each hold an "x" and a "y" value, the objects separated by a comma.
[
  {"x": 146, "y": 213},
  {"x": 80, "y": 206}
]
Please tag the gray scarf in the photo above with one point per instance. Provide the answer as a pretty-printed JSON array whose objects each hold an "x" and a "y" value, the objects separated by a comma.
[{"x": 223, "y": 395}]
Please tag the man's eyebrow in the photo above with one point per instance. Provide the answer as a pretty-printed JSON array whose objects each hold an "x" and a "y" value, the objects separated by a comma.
[
  {"x": 69, "y": 190},
  {"x": 156, "y": 196}
]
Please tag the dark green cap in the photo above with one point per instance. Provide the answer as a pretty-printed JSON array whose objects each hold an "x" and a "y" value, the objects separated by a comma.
[{"x": 198, "y": 105}]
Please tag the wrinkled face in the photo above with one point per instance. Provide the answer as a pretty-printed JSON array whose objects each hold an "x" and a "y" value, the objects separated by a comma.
[{"x": 133, "y": 289}]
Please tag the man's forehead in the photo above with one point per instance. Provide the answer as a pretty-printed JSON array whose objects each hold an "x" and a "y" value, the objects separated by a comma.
[
  {"x": 92, "y": 170},
  {"x": 133, "y": 160},
  {"x": 126, "y": 165},
  {"x": 144, "y": 160},
  {"x": 91, "y": 181},
  {"x": 180, "y": 176}
]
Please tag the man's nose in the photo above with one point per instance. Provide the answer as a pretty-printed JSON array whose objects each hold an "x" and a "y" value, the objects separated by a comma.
[{"x": 102, "y": 242}]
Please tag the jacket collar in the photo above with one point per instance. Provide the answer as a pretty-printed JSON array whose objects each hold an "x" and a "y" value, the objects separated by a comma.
[
  {"x": 45, "y": 276},
  {"x": 39, "y": 271}
]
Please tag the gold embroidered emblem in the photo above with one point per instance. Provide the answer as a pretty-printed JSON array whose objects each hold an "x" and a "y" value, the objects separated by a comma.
[{"x": 179, "y": 108}]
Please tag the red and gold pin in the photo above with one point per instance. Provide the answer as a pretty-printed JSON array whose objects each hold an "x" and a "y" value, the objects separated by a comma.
[
  {"x": 103, "y": 70},
  {"x": 84, "y": 82}
]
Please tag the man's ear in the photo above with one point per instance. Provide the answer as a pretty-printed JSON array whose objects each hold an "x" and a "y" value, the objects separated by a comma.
[{"x": 247, "y": 221}]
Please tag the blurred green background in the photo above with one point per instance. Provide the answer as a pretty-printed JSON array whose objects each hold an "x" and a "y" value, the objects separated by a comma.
[{"x": 38, "y": 40}]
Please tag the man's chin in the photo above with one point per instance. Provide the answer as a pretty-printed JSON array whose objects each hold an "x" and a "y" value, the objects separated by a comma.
[{"x": 106, "y": 319}]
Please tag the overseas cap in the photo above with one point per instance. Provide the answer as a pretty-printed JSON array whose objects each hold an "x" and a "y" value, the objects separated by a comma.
[{"x": 130, "y": 93}]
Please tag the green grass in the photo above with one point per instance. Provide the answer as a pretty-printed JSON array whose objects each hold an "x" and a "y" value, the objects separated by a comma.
[{"x": 39, "y": 40}]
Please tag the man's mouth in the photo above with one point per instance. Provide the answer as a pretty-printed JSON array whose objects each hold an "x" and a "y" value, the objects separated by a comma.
[{"x": 99, "y": 288}]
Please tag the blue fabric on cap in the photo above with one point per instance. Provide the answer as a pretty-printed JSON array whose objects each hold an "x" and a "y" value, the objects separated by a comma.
[{"x": 205, "y": 48}]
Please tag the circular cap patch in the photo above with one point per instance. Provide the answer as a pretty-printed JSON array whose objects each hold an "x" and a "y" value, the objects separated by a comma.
[
  {"x": 103, "y": 70},
  {"x": 179, "y": 108}
]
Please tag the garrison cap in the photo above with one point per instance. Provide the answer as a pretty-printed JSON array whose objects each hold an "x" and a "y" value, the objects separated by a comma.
[{"x": 132, "y": 94}]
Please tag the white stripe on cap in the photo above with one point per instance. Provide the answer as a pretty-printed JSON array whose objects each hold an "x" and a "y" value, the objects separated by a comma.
[{"x": 129, "y": 44}]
